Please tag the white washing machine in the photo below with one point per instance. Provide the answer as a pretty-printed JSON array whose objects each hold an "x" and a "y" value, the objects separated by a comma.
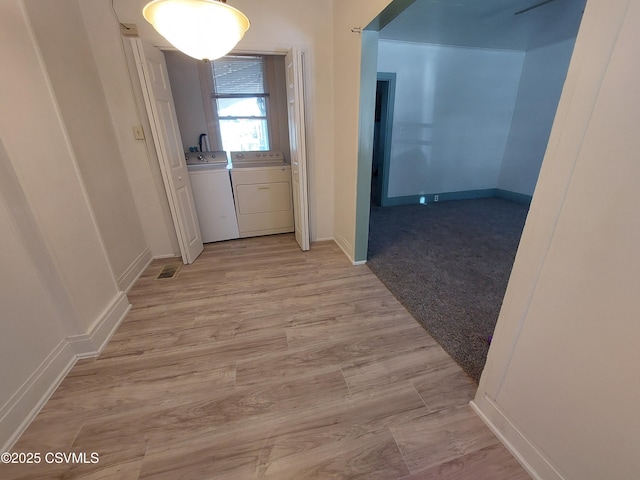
[
  {"x": 212, "y": 195},
  {"x": 262, "y": 193}
]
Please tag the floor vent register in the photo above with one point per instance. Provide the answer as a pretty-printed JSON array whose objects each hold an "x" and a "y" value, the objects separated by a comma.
[{"x": 169, "y": 271}]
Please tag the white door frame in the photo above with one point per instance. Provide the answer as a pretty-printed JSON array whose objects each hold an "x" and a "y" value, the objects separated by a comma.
[
  {"x": 168, "y": 191},
  {"x": 303, "y": 229},
  {"x": 178, "y": 189},
  {"x": 297, "y": 138}
]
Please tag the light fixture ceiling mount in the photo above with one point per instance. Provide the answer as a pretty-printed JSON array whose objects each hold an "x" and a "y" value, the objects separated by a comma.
[{"x": 202, "y": 29}]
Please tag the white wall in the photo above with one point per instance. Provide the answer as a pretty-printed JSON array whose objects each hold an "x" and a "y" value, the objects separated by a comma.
[
  {"x": 543, "y": 75},
  {"x": 347, "y": 51},
  {"x": 187, "y": 96},
  {"x": 113, "y": 55},
  {"x": 453, "y": 109},
  {"x": 561, "y": 381},
  {"x": 66, "y": 51},
  {"x": 60, "y": 297},
  {"x": 27, "y": 307}
]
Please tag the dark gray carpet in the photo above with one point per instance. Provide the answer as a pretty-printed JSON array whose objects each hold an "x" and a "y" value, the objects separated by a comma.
[{"x": 448, "y": 263}]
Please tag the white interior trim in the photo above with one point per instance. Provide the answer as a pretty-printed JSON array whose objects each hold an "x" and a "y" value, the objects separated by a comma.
[
  {"x": 528, "y": 455},
  {"x": 92, "y": 343},
  {"x": 24, "y": 405},
  {"x": 133, "y": 272},
  {"x": 345, "y": 246}
]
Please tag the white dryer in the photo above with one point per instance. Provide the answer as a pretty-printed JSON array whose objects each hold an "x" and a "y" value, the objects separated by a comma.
[
  {"x": 211, "y": 185},
  {"x": 262, "y": 193}
]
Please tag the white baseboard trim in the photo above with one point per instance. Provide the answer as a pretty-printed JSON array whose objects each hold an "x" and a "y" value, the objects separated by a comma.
[
  {"x": 169, "y": 255},
  {"x": 360, "y": 262},
  {"x": 24, "y": 405},
  {"x": 527, "y": 454},
  {"x": 345, "y": 246},
  {"x": 131, "y": 274},
  {"x": 91, "y": 344},
  {"x": 327, "y": 239}
]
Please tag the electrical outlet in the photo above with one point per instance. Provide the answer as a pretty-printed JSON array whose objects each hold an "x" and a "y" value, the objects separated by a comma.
[
  {"x": 436, "y": 198},
  {"x": 138, "y": 132}
]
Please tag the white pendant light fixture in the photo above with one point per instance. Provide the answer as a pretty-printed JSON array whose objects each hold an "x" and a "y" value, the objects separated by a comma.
[{"x": 202, "y": 29}]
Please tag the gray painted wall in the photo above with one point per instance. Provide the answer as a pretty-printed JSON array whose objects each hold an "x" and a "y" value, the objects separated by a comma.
[
  {"x": 453, "y": 109},
  {"x": 470, "y": 119},
  {"x": 543, "y": 75}
]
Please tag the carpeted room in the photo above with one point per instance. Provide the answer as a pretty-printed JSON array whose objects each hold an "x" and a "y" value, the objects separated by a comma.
[
  {"x": 448, "y": 263},
  {"x": 462, "y": 123}
]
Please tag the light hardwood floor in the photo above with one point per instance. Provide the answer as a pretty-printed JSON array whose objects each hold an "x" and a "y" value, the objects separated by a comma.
[{"x": 261, "y": 361}]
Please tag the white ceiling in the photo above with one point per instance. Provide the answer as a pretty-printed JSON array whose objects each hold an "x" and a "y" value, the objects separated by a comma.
[{"x": 487, "y": 23}]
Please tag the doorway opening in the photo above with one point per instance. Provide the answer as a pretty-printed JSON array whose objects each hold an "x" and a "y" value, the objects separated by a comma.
[
  {"x": 473, "y": 112},
  {"x": 177, "y": 170},
  {"x": 382, "y": 134}
]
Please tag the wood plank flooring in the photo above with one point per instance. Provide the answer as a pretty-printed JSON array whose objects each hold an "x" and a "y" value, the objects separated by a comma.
[{"x": 260, "y": 361}]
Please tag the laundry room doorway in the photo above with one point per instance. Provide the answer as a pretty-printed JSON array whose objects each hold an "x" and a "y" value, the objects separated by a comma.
[{"x": 163, "y": 132}]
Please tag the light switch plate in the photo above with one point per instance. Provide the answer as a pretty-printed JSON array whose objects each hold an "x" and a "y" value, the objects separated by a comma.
[
  {"x": 128, "y": 29},
  {"x": 138, "y": 132}
]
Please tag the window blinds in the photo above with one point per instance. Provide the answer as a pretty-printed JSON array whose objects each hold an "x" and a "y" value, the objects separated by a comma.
[{"x": 238, "y": 75}]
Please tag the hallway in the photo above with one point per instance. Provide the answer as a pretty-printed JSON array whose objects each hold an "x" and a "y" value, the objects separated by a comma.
[{"x": 262, "y": 361}]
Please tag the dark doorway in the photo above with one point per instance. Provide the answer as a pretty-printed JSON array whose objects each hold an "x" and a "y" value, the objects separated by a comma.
[{"x": 383, "y": 125}]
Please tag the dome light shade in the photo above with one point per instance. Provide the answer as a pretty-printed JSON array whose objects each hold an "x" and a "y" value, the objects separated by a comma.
[{"x": 202, "y": 29}]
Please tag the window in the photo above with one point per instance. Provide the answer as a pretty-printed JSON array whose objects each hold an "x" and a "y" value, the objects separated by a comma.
[
  {"x": 240, "y": 102},
  {"x": 245, "y": 100}
]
